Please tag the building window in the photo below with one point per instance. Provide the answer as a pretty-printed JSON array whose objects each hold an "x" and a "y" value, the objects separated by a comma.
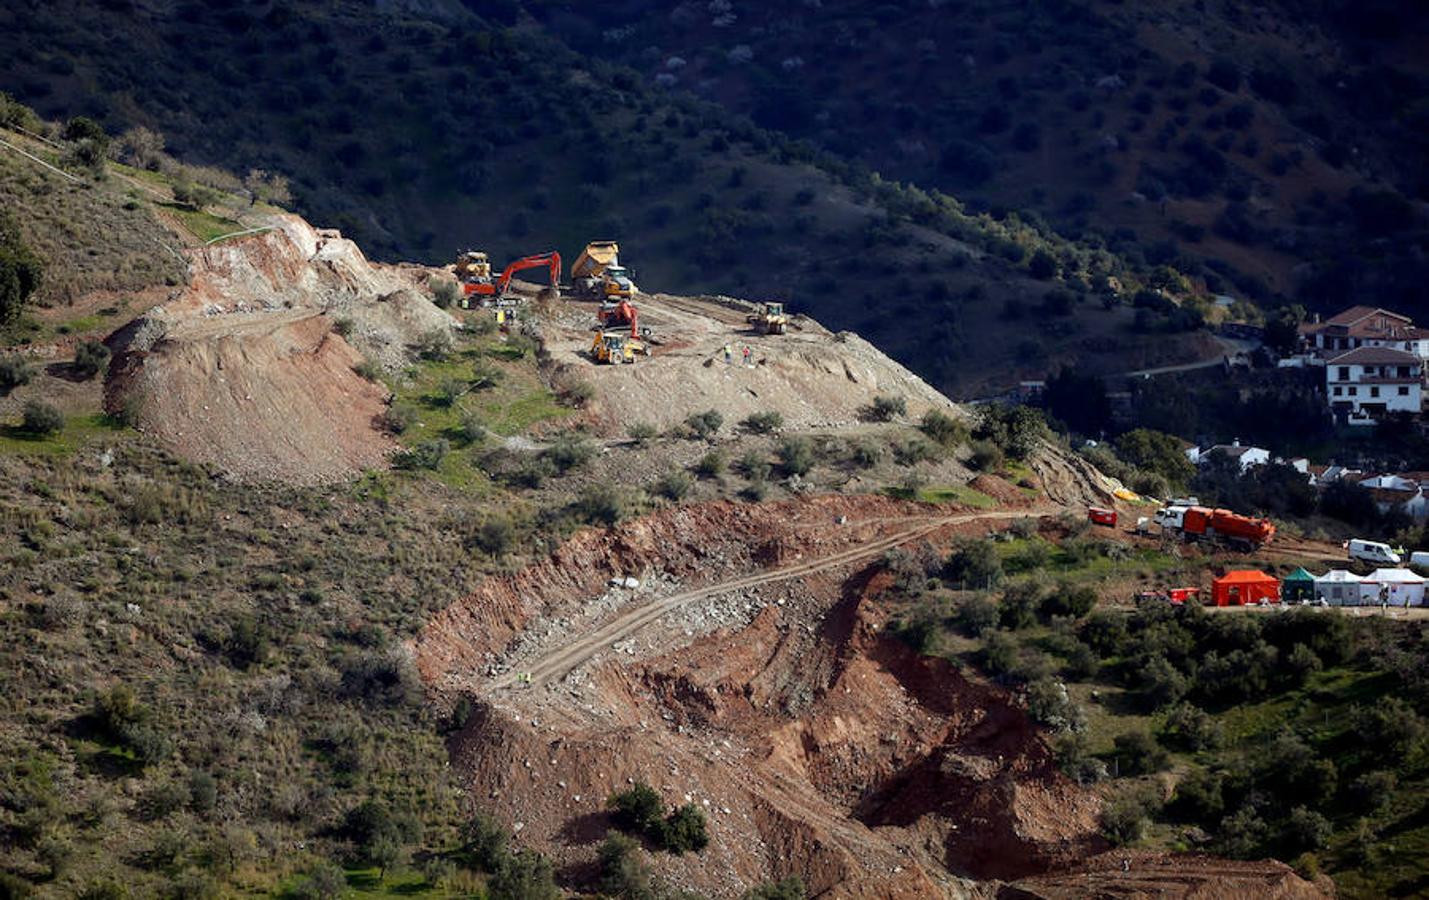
[
  {"x": 1403, "y": 371},
  {"x": 1354, "y": 391},
  {"x": 1403, "y": 391},
  {"x": 1338, "y": 390},
  {"x": 1374, "y": 392},
  {"x": 1344, "y": 373}
]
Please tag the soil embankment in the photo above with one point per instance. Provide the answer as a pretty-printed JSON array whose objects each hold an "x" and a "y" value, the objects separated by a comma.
[{"x": 250, "y": 370}]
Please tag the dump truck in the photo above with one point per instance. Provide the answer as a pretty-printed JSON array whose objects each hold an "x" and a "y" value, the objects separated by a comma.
[
  {"x": 616, "y": 347},
  {"x": 771, "y": 319},
  {"x": 597, "y": 272},
  {"x": 1220, "y": 526}
]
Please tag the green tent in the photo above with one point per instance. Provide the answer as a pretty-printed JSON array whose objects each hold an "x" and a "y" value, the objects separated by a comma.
[{"x": 1298, "y": 585}]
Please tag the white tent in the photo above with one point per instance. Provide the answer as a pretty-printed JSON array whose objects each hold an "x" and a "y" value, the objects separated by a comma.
[
  {"x": 1400, "y": 587},
  {"x": 1339, "y": 588}
]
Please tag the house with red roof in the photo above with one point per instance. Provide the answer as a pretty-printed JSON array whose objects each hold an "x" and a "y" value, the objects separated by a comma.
[
  {"x": 1365, "y": 384},
  {"x": 1364, "y": 326}
]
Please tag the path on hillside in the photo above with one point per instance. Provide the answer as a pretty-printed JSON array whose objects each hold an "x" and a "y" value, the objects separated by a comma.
[
  {"x": 1230, "y": 346},
  {"x": 557, "y": 662}
]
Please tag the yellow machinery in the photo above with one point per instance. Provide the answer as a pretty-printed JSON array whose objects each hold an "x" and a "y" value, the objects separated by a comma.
[
  {"x": 616, "y": 347},
  {"x": 771, "y": 319},
  {"x": 473, "y": 268},
  {"x": 597, "y": 272}
]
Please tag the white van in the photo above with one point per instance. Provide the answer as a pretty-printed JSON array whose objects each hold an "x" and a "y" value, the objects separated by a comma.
[
  {"x": 1372, "y": 551},
  {"x": 1419, "y": 558}
]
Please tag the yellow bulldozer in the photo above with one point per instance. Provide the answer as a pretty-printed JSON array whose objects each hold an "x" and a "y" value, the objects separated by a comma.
[
  {"x": 616, "y": 347},
  {"x": 597, "y": 273},
  {"x": 771, "y": 319}
]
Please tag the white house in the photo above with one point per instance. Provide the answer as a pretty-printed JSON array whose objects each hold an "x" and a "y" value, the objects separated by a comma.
[
  {"x": 1364, "y": 326},
  {"x": 1365, "y": 384},
  {"x": 1400, "y": 587},
  {"x": 1339, "y": 587},
  {"x": 1245, "y": 455}
]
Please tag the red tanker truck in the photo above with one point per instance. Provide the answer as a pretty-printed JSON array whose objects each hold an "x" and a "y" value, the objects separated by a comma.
[{"x": 1220, "y": 526}]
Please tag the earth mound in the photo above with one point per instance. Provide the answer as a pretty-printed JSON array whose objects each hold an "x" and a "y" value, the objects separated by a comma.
[{"x": 251, "y": 369}]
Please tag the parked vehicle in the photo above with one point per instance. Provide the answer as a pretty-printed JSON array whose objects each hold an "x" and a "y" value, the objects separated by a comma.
[
  {"x": 1221, "y": 526},
  {"x": 1419, "y": 558},
  {"x": 1101, "y": 516},
  {"x": 1372, "y": 551}
]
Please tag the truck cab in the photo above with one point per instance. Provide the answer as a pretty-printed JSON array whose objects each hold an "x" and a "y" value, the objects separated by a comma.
[
  {"x": 1171, "y": 517},
  {"x": 618, "y": 283}
]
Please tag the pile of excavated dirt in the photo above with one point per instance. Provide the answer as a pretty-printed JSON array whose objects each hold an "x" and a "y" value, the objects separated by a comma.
[
  {"x": 269, "y": 398},
  {"x": 809, "y": 375},
  {"x": 1142, "y": 874},
  {"x": 815, "y": 743},
  {"x": 251, "y": 368}
]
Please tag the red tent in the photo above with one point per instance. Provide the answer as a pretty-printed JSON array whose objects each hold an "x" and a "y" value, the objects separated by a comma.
[{"x": 1244, "y": 587}]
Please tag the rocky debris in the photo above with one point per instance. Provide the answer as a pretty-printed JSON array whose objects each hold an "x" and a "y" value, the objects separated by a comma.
[{"x": 778, "y": 708}]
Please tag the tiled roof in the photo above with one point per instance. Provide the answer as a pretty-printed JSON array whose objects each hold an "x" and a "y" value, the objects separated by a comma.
[
  {"x": 1356, "y": 314},
  {"x": 1375, "y": 356}
]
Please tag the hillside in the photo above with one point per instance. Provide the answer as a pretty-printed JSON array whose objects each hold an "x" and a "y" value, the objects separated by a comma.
[
  {"x": 1275, "y": 152},
  {"x": 321, "y": 586},
  {"x": 419, "y": 134}
]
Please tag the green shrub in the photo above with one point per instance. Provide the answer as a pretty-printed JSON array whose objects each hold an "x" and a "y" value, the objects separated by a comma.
[
  {"x": 911, "y": 451},
  {"x": 986, "y": 456},
  {"x": 525, "y": 876},
  {"x": 603, "y": 505},
  {"x": 343, "y": 326},
  {"x": 1137, "y": 753},
  {"x": 704, "y": 425},
  {"x": 977, "y": 615},
  {"x": 887, "y": 407},
  {"x": 426, "y": 455},
  {"x": 974, "y": 563},
  {"x": 569, "y": 451},
  {"x": 621, "y": 872},
  {"x": 943, "y": 428},
  {"x": 1125, "y": 819},
  {"x": 865, "y": 454},
  {"x": 41, "y": 418},
  {"x": 398, "y": 418},
  {"x": 711, "y": 465},
  {"x": 763, "y": 423},
  {"x": 638, "y": 808},
  {"x": 444, "y": 292},
  {"x": 89, "y": 358},
  {"x": 485, "y": 842},
  {"x": 674, "y": 485},
  {"x": 796, "y": 456},
  {"x": 496, "y": 535},
  {"x": 1075, "y": 759},
  {"x": 369, "y": 369},
  {"x": 685, "y": 830},
  {"x": 15, "y": 371},
  {"x": 576, "y": 393},
  {"x": 435, "y": 345},
  {"x": 641, "y": 433}
]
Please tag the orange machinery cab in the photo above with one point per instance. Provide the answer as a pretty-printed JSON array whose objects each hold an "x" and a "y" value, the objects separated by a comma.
[{"x": 1100, "y": 516}]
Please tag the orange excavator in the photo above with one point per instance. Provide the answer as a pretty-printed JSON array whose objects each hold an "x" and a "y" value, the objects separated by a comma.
[
  {"x": 496, "y": 290},
  {"x": 617, "y": 315}
]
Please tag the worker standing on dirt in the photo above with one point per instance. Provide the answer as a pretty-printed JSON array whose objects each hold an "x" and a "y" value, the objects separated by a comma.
[
  {"x": 748, "y": 357},
  {"x": 728, "y": 355}
]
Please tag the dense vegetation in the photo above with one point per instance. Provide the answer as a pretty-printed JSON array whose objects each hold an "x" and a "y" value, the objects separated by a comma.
[{"x": 1297, "y": 734}]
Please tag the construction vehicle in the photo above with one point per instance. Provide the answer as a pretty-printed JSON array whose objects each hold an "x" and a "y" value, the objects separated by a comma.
[
  {"x": 597, "y": 272},
  {"x": 1220, "y": 526},
  {"x": 486, "y": 290},
  {"x": 616, "y": 347},
  {"x": 473, "y": 271},
  {"x": 1098, "y": 515},
  {"x": 618, "y": 315},
  {"x": 771, "y": 319}
]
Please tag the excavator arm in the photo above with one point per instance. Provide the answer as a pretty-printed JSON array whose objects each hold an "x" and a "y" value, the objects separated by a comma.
[{"x": 551, "y": 260}]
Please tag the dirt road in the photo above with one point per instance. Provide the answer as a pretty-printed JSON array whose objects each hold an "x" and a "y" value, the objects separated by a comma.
[{"x": 558, "y": 662}]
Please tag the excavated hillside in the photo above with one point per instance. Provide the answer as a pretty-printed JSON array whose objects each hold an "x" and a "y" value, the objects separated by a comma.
[
  {"x": 736, "y": 656},
  {"x": 251, "y": 369}
]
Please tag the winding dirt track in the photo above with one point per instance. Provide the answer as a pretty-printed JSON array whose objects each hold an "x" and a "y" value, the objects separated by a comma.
[{"x": 560, "y": 661}]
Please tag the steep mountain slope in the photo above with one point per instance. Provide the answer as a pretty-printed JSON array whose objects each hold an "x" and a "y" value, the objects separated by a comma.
[
  {"x": 418, "y": 133},
  {"x": 1272, "y": 150}
]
